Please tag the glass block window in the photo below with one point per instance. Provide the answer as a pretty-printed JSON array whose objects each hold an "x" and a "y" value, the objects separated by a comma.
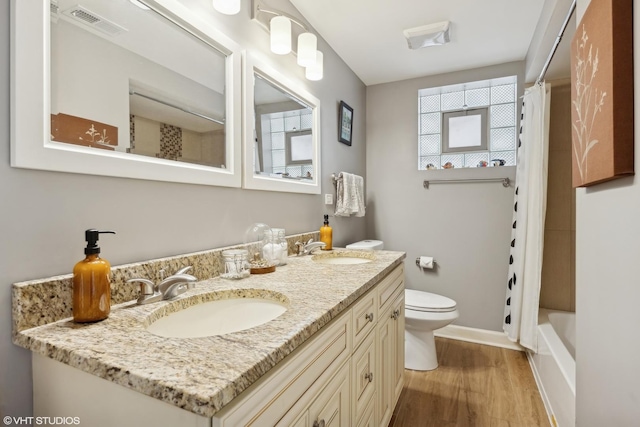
[
  {"x": 498, "y": 96},
  {"x": 274, "y": 130}
]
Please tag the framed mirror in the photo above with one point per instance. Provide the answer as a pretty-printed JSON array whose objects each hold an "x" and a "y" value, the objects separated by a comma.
[
  {"x": 282, "y": 132},
  {"x": 138, "y": 89}
]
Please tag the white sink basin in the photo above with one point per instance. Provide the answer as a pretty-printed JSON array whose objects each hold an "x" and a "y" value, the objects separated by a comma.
[
  {"x": 344, "y": 258},
  {"x": 218, "y": 317}
]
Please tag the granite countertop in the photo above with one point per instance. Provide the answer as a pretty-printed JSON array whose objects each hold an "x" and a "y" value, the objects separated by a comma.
[{"x": 202, "y": 375}]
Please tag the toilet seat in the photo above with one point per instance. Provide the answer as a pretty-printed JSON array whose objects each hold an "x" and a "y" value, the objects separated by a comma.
[{"x": 427, "y": 302}]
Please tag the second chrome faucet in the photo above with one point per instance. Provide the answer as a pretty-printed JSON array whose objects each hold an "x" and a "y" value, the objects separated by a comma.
[
  {"x": 307, "y": 248},
  {"x": 167, "y": 288}
]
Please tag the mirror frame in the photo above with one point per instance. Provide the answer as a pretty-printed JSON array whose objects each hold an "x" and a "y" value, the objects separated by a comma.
[
  {"x": 276, "y": 78},
  {"x": 31, "y": 145}
]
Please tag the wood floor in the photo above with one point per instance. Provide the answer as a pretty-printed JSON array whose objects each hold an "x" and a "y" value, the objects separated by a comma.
[{"x": 475, "y": 385}]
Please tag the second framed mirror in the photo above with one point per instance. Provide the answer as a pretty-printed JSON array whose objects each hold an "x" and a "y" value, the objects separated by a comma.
[{"x": 282, "y": 132}]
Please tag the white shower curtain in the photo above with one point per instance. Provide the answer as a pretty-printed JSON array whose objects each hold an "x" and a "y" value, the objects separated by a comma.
[{"x": 530, "y": 205}]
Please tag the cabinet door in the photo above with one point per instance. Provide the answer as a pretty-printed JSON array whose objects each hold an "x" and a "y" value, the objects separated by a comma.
[
  {"x": 302, "y": 420},
  {"x": 369, "y": 415},
  {"x": 385, "y": 353},
  {"x": 390, "y": 358},
  {"x": 332, "y": 406},
  {"x": 397, "y": 379},
  {"x": 364, "y": 376}
]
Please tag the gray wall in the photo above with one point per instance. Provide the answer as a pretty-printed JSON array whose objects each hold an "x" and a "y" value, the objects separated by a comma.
[
  {"x": 44, "y": 214},
  {"x": 465, "y": 227},
  {"x": 608, "y": 290}
]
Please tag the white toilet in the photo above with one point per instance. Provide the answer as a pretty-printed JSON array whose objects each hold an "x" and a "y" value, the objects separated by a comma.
[
  {"x": 424, "y": 313},
  {"x": 367, "y": 245}
]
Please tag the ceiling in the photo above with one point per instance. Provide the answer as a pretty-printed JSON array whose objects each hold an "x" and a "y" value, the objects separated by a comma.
[{"x": 367, "y": 34}]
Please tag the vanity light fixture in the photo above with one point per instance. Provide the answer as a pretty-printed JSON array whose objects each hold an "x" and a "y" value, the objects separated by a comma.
[
  {"x": 315, "y": 72},
  {"x": 307, "y": 48},
  {"x": 227, "y": 7},
  {"x": 280, "y": 27},
  {"x": 308, "y": 54}
]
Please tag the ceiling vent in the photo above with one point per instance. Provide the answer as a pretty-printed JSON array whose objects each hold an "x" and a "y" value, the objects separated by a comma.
[
  {"x": 428, "y": 35},
  {"x": 93, "y": 20}
]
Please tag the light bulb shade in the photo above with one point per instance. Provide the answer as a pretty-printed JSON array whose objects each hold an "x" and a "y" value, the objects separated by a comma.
[
  {"x": 227, "y": 7},
  {"x": 280, "y": 28},
  {"x": 315, "y": 72},
  {"x": 307, "y": 48}
]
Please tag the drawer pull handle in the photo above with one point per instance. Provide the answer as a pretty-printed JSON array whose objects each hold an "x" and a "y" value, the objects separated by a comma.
[
  {"x": 369, "y": 317},
  {"x": 396, "y": 314},
  {"x": 369, "y": 376},
  {"x": 318, "y": 424}
]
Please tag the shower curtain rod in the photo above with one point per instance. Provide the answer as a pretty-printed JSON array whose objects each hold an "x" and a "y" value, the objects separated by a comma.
[
  {"x": 184, "y": 110},
  {"x": 572, "y": 9}
]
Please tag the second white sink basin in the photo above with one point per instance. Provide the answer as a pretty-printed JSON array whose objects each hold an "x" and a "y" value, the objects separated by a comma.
[
  {"x": 344, "y": 257},
  {"x": 218, "y": 317}
]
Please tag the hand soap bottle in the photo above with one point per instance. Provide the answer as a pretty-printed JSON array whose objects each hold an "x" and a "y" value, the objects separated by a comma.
[
  {"x": 92, "y": 283},
  {"x": 326, "y": 234}
]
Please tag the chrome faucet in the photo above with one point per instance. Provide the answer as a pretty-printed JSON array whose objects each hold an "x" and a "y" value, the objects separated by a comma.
[
  {"x": 168, "y": 288},
  {"x": 308, "y": 248}
]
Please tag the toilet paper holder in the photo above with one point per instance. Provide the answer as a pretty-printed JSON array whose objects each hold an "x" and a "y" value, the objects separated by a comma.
[{"x": 418, "y": 262}]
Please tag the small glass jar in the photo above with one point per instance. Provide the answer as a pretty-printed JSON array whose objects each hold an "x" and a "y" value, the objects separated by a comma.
[
  {"x": 236, "y": 264},
  {"x": 275, "y": 249},
  {"x": 281, "y": 239}
]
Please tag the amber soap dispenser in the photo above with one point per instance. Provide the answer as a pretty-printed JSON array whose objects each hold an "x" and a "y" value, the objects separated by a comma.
[
  {"x": 92, "y": 282},
  {"x": 326, "y": 234}
]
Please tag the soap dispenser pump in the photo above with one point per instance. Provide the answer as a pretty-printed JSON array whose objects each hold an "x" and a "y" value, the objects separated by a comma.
[
  {"x": 92, "y": 282},
  {"x": 326, "y": 234}
]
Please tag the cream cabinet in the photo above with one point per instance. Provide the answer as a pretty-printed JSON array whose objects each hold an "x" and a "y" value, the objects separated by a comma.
[
  {"x": 363, "y": 374},
  {"x": 390, "y": 349},
  {"x": 330, "y": 407},
  {"x": 350, "y": 373}
]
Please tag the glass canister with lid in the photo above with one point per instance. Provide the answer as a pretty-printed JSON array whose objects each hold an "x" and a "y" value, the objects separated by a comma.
[
  {"x": 236, "y": 264},
  {"x": 275, "y": 248}
]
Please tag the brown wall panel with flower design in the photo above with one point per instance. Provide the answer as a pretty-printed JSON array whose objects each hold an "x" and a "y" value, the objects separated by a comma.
[
  {"x": 79, "y": 131},
  {"x": 602, "y": 93}
]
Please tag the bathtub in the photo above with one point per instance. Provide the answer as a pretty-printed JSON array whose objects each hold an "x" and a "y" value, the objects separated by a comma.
[{"x": 554, "y": 366}]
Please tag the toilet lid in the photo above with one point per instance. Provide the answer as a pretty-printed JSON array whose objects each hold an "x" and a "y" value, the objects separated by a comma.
[{"x": 425, "y": 301}]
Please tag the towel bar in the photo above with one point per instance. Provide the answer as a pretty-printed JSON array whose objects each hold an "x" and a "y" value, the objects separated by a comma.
[{"x": 506, "y": 182}]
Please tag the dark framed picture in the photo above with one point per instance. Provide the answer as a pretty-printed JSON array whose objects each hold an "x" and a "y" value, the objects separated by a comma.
[{"x": 345, "y": 123}]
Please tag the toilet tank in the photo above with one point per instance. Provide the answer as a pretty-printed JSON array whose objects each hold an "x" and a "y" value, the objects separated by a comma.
[{"x": 367, "y": 245}]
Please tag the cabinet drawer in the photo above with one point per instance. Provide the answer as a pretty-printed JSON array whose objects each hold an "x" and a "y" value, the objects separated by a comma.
[
  {"x": 364, "y": 376},
  {"x": 365, "y": 316},
  {"x": 389, "y": 286}
]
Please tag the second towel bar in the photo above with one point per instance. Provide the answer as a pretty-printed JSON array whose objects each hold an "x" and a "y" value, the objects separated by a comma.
[{"x": 506, "y": 182}]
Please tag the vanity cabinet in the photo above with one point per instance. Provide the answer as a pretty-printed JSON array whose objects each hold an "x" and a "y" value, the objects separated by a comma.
[
  {"x": 350, "y": 373},
  {"x": 360, "y": 386}
]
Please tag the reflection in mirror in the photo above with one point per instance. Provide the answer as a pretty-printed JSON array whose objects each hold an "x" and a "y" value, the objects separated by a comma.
[
  {"x": 282, "y": 132},
  {"x": 129, "y": 80},
  {"x": 284, "y": 144}
]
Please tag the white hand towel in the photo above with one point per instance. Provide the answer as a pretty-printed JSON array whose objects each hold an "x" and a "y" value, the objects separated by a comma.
[{"x": 350, "y": 195}]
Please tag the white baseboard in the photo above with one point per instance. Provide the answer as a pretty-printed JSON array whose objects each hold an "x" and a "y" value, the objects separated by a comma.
[
  {"x": 543, "y": 393},
  {"x": 478, "y": 336}
]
